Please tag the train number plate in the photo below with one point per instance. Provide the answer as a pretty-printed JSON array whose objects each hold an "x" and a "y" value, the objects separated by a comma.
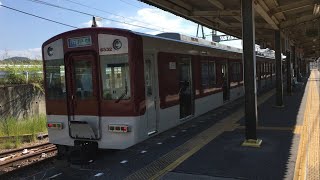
[{"x": 79, "y": 42}]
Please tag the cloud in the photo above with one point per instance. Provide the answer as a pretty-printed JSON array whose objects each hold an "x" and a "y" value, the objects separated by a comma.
[
  {"x": 0, "y": 3},
  {"x": 33, "y": 53},
  {"x": 154, "y": 21},
  {"x": 149, "y": 20}
]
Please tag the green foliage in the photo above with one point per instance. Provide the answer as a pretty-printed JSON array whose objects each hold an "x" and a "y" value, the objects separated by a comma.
[
  {"x": 12, "y": 127},
  {"x": 16, "y": 74},
  {"x": 10, "y": 144},
  {"x": 20, "y": 61}
]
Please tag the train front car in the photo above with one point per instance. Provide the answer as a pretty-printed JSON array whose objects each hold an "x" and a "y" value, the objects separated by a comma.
[{"x": 94, "y": 87}]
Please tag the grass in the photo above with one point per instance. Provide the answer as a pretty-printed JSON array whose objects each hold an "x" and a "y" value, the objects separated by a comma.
[
  {"x": 12, "y": 127},
  {"x": 11, "y": 144}
]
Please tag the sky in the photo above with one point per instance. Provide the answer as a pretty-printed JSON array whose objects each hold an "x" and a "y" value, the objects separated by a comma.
[{"x": 23, "y": 35}]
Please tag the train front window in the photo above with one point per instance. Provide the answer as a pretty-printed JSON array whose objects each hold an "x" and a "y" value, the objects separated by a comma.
[
  {"x": 83, "y": 79},
  {"x": 115, "y": 77},
  {"x": 55, "y": 79}
]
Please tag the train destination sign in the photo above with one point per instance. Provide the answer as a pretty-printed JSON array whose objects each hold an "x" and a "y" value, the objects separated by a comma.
[{"x": 79, "y": 42}]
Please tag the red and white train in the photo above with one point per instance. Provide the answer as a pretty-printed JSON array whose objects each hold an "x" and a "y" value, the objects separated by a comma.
[{"x": 115, "y": 88}]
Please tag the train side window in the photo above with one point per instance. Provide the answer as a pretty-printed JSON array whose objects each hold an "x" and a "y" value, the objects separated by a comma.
[
  {"x": 212, "y": 73},
  {"x": 55, "y": 79},
  {"x": 115, "y": 76},
  {"x": 236, "y": 72},
  {"x": 208, "y": 74},
  {"x": 204, "y": 74}
]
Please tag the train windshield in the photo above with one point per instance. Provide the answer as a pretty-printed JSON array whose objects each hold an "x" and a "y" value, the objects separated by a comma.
[
  {"x": 55, "y": 79},
  {"x": 115, "y": 77}
]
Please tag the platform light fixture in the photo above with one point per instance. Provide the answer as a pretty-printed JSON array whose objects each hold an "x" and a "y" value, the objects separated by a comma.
[{"x": 316, "y": 9}]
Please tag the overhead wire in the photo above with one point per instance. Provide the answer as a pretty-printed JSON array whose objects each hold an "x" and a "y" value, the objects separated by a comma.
[
  {"x": 90, "y": 7},
  {"x": 130, "y": 4},
  {"x": 89, "y": 14},
  {"x": 40, "y": 17}
]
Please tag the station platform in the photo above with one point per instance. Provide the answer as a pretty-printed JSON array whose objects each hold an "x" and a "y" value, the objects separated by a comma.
[
  {"x": 209, "y": 147},
  {"x": 290, "y": 147}
]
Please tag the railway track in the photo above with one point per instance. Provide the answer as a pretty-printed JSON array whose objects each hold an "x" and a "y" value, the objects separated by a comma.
[
  {"x": 24, "y": 137},
  {"x": 19, "y": 158}
]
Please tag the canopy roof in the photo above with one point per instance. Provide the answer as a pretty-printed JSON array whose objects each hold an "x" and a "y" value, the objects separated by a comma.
[{"x": 298, "y": 20}]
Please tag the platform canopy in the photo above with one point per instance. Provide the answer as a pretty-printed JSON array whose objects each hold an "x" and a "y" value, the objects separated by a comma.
[{"x": 298, "y": 20}]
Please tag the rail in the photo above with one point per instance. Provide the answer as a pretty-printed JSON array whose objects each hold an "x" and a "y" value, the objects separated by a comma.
[{"x": 16, "y": 159}]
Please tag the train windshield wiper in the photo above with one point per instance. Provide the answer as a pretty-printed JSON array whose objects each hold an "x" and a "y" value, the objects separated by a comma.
[{"x": 124, "y": 93}]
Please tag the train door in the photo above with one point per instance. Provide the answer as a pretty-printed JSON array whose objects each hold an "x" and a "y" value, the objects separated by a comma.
[
  {"x": 83, "y": 104},
  {"x": 225, "y": 82},
  {"x": 151, "y": 93},
  {"x": 186, "y": 88}
]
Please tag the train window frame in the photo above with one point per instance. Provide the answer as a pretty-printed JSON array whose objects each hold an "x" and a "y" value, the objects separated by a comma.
[
  {"x": 236, "y": 72},
  {"x": 62, "y": 87},
  {"x": 83, "y": 76},
  {"x": 118, "y": 67},
  {"x": 208, "y": 79}
]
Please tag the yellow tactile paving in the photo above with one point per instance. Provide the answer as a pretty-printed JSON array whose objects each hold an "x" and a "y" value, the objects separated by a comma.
[
  {"x": 308, "y": 165},
  {"x": 313, "y": 148}
]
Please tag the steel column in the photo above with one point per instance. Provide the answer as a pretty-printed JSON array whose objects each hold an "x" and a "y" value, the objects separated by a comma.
[
  {"x": 289, "y": 75},
  {"x": 249, "y": 61},
  {"x": 279, "y": 76},
  {"x": 293, "y": 60},
  {"x": 299, "y": 69}
]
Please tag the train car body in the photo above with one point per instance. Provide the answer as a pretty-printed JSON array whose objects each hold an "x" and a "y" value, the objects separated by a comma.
[{"x": 116, "y": 88}]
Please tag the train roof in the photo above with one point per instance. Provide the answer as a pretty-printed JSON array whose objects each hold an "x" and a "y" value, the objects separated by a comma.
[
  {"x": 167, "y": 36},
  {"x": 199, "y": 41}
]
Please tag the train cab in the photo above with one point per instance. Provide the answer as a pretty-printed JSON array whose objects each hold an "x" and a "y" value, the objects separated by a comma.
[{"x": 94, "y": 86}]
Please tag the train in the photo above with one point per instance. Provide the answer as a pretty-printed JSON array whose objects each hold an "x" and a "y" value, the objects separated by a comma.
[{"x": 113, "y": 88}]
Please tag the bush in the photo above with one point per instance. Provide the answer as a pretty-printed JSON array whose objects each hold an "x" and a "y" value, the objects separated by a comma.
[{"x": 17, "y": 74}]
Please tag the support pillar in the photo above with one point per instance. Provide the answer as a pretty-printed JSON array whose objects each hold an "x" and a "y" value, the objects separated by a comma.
[
  {"x": 299, "y": 69},
  {"x": 249, "y": 61},
  {"x": 279, "y": 76},
  {"x": 289, "y": 75},
  {"x": 293, "y": 60}
]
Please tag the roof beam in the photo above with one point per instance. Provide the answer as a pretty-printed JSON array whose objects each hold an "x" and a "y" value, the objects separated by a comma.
[
  {"x": 220, "y": 22},
  {"x": 182, "y": 4},
  {"x": 257, "y": 25},
  {"x": 262, "y": 9},
  {"x": 280, "y": 16},
  {"x": 220, "y": 6},
  {"x": 297, "y": 21},
  {"x": 216, "y": 3},
  {"x": 216, "y": 13},
  {"x": 290, "y": 7}
]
